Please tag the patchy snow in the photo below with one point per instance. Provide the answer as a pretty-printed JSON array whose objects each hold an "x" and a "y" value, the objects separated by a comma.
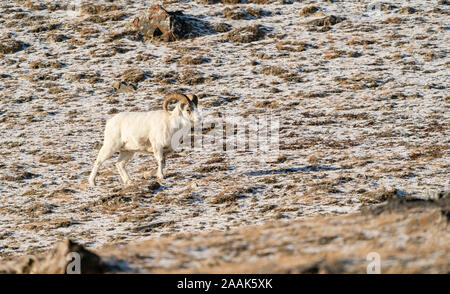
[{"x": 363, "y": 107}]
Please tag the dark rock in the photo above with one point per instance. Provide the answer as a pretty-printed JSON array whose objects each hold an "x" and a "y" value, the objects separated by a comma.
[
  {"x": 58, "y": 260},
  {"x": 154, "y": 186},
  {"x": 157, "y": 23},
  {"x": 326, "y": 21},
  {"x": 124, "y": 87}
]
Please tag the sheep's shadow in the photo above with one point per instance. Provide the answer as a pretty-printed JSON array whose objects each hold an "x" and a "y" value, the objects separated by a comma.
[
  {"x": 196, "y": 26},
  {"x": 309, "y": 168}
]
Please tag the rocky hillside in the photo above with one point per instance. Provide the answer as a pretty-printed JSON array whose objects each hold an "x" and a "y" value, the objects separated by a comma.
[{"x": 360, "y": 89}]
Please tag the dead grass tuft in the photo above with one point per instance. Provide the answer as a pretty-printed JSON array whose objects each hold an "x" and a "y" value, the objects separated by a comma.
[
  {"x": 393, "y": 20},
  {"x": 309, "y": 10},
  {"x": 132, "y": 76},
  {"x": 222, "y": 27},
  {"x": 9, "y": 46},
  {"x": 428, "y": 152},
  {"x": 189, "y": 60},
  {"x": 229, "y": 196},
  {"x": 93, "y": 9},
  {"x": 245, "y": 34}
]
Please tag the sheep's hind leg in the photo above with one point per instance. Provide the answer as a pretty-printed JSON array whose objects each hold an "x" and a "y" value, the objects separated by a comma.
[
  {"x": 160, "y": 158},
  {"x": 105, "y": 153},
  {"x": 124, "y": 157}
]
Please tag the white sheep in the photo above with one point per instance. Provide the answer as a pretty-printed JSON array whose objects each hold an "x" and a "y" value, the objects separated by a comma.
[{"x": 147, "y": 132}]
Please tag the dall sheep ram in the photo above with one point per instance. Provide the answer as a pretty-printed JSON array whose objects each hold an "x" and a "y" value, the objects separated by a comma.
[{"x": 130, "y": 132}]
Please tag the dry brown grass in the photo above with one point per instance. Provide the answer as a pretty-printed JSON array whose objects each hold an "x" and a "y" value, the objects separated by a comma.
[
  {"x": 394, "y": 20},
  {"x": 193, "y": 60},
  {"x": 133, "y": 76},
  {"x": 309, "y": 10},
  {"x": 222, "y": 27},
  {"x": 9, "y": 46},
  {"x": 93, "y": 9},
  {"x": 428, "y": 152},
  {"x": 286, "y": 247},
  {"x": 245, "y": 34}
]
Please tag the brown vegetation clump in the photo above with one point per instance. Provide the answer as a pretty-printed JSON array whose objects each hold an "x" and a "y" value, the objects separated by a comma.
[
  {"x": 93, "y": 9},
  {"x": 229, "y": 196},
  {"x": 292, "y": 46},
  {"x": 233, "y": 13},
  {"x": 9, "y": 46},
  {"x": 274, "y": 70},
  {"x": 37, "y": 64},
  {"x": 189, "y": 60},
  {"x": 224, "y": 197},
  {"x": 394, "y": 20},
  {"x": 380, "y": 195},
  {"x": 115, "y": 16},
  {"x": 221, "y": 27},
  {"x": 407, "y": 10},
  {"x": 44, "y": 28},
  {"x": 266, "y": 104},
  {"x": 335, "y": 53},
  {"x": 55, "y": 158},
  {"x": 132, "y": 76},
  {"x": 260, "y": 1},
  {"x": 257, "y": 12},
  {"x": 211, "y": 168},
  {"x": 245, "y": 34},
  {"x": 191, "y": 77},
  {"x": 428, "y": 152},
  {"x": 220, "y": 1},
  {"x": 360, "y": 42},
  {"x": 308, "y": 10},
  {"x": 326, "y": 21},
  {"x": 249, "y": 13}
]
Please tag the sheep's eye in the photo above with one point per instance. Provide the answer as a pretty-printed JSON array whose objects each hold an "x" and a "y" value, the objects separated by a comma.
[{"x": 188, "y": 111}]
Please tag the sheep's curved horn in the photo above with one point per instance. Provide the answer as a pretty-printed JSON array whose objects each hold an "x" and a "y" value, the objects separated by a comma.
[
  {"x": 180, "y": 97},
  {"x": 193, "y": 98}
]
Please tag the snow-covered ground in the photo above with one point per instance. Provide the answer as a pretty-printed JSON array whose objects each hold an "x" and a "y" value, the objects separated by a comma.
[{"x": 363, "y": 110}]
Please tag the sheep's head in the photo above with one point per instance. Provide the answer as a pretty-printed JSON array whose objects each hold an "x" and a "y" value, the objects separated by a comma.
[{"x": 187, "y": 107}]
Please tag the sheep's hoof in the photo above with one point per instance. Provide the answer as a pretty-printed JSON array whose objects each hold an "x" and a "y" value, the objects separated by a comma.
[
  {"x": 92, "y": 183},
  {"x": 148, "y": 174},
  {"x": 129, "y": 183},
  {"x": 160, "y": 177}
]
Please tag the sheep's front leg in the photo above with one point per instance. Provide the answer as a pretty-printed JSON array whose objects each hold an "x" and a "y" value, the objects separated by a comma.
[{"x": 160, "y": 158}]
